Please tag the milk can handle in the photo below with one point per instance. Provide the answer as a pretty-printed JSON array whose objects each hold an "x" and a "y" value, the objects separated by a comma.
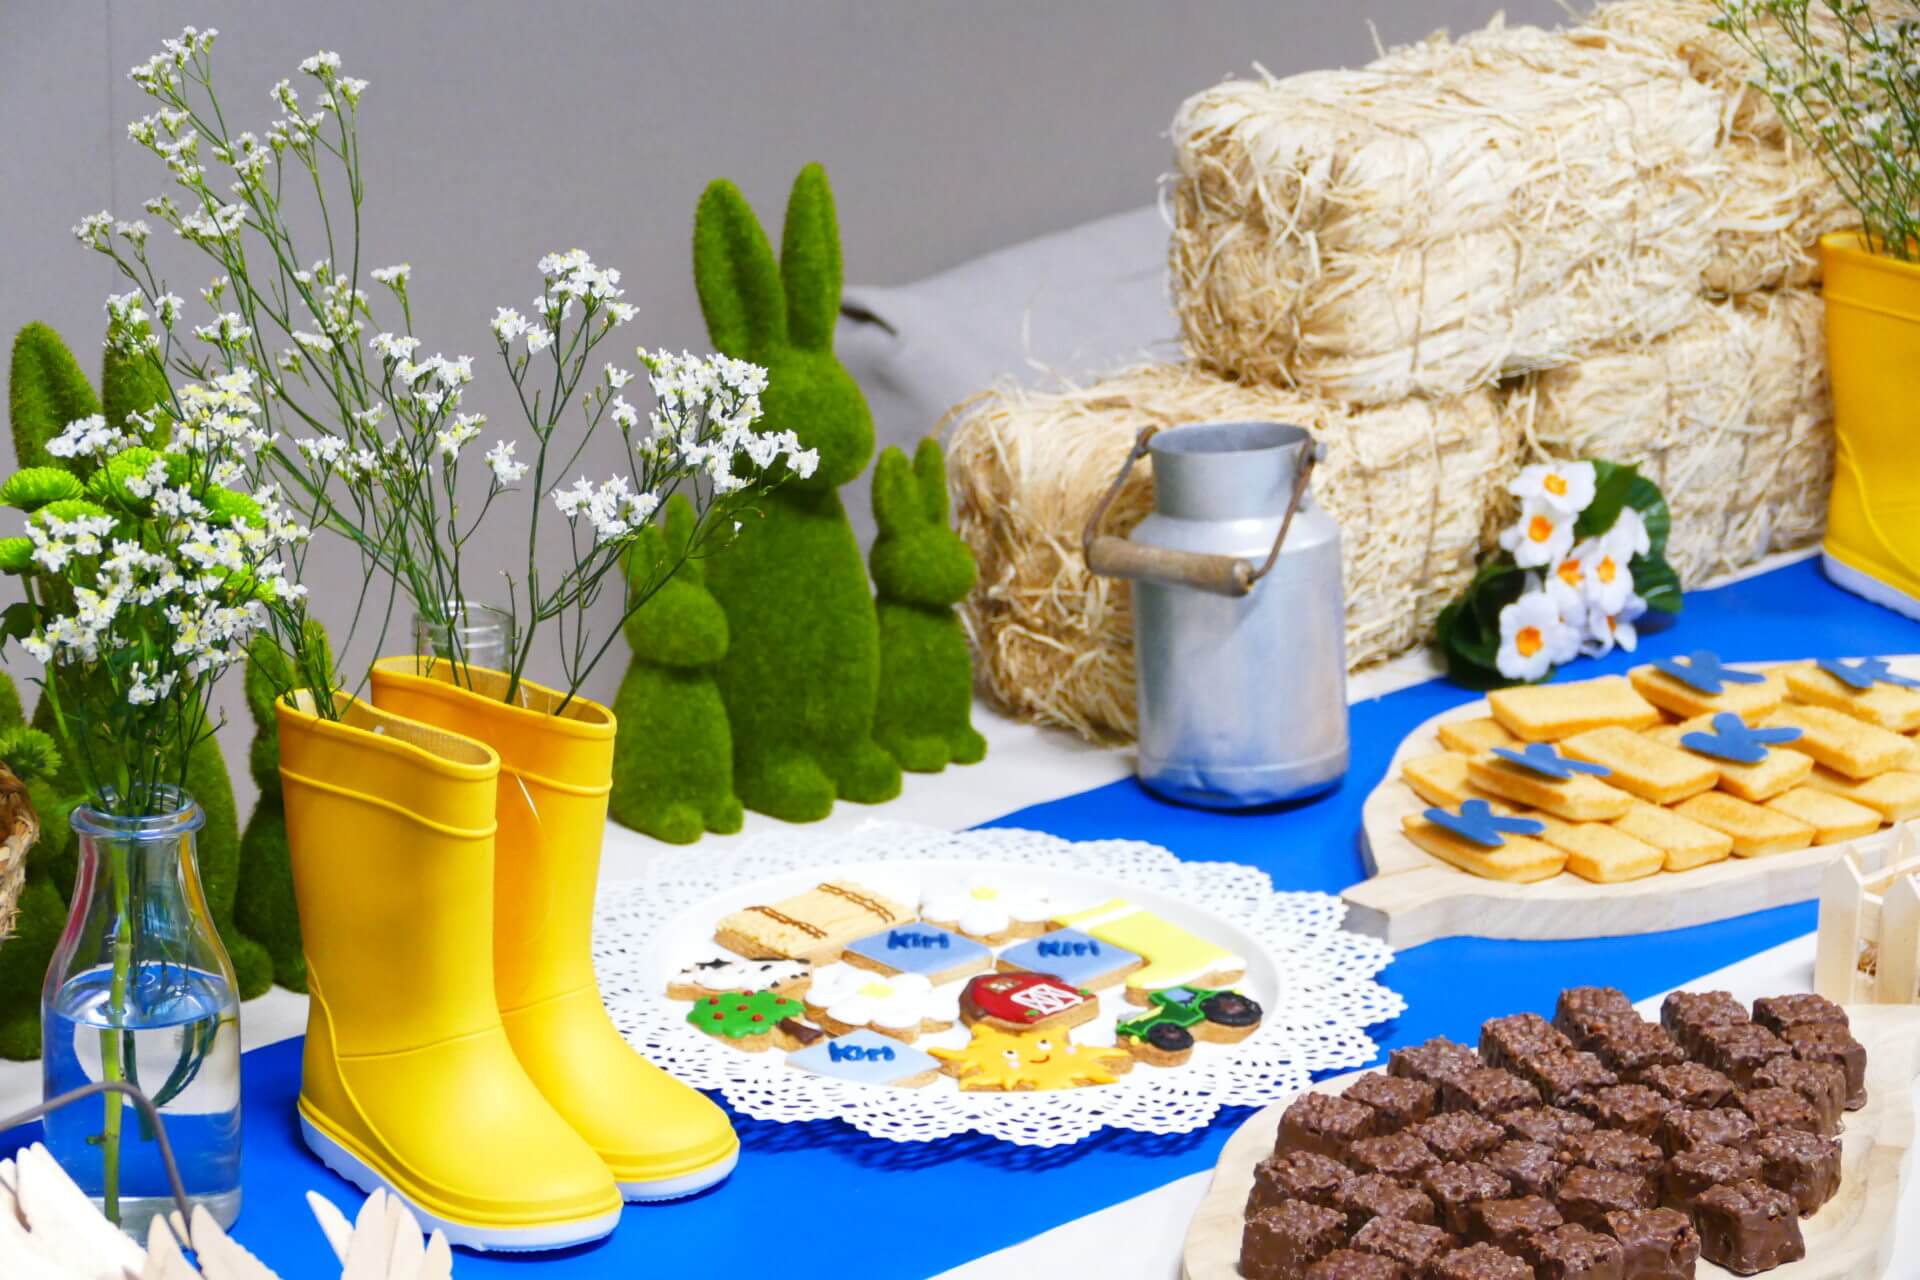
[{"x": 1220, "y": 575}]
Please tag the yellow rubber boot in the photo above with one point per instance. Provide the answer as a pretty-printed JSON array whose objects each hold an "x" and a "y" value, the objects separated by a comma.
[
  {"x": 409, "y": 1081},
  {"x": 661, "y": 1139}
]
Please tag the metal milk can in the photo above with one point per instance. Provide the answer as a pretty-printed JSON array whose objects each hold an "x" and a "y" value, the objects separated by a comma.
[{"x": 1239, "y": 616}]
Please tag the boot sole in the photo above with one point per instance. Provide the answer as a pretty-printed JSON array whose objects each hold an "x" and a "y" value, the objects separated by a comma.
[
  {"x": 687, "y": 1184},
  {"x": 1881, "y": 593},
  {"x": 558, "y": 1235}
]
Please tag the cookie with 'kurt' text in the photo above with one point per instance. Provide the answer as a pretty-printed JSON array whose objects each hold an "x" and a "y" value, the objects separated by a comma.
[{"x": 1077, "y": 959}]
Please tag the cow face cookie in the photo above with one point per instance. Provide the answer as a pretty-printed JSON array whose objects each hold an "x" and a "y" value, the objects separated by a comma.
[
  {"x": 843, "y": 997},
  {"x": 1001, "y": 1061},
  {"x": 866, "y": 1058},
  {"x": 1025, "y": 1002},
  {"x": 1077, "y": 959},
  {"x": 988, "y": 910},
  {"x": 936, "y": 954},
  {"x": 704, "y": 978},
  {"x": 1175, "y": 958}
]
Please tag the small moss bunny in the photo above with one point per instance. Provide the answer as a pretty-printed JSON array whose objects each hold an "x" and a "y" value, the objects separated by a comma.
[
  {"x": 921, "y": 569},
  {"x": 802, "y": 673},
  {"x": 673, "y": 758}
]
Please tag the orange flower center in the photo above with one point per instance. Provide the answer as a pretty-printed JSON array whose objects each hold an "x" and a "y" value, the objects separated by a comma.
[
  {"x": 1606, "y": 569},
  {"x": 1555, "y": 484},
  {"x": 1540, "y": 529},
  {"x": 1570, "y": 572},
  {"x": 1528, "y": 641}
]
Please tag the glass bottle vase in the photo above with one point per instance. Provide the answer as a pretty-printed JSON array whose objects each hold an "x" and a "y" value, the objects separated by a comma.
[
  {"x": 467, "y": 635},
  {"x": 141, "y": 990}
]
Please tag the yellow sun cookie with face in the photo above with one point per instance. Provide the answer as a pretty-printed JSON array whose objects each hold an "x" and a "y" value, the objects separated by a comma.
[{"x": 1000, "y": 1061}]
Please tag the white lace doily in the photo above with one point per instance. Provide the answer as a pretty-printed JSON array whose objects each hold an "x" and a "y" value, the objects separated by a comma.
[{"x": 1322, "y": 999}]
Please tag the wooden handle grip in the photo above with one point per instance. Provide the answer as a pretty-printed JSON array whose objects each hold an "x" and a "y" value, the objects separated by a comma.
[{"x": 1121, "y": 558}]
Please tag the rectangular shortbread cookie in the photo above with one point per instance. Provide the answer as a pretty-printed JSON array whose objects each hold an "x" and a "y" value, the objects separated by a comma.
[
  {"x": 1474, "y": 737},
  {"x": 1439, "y": 779},
  {"x": 1895, "y": 796},
  {"x": 1840, "y": 742},
  {"x": 1782, "y": 770},
  {"x": 1756, "y": 831},
  {"x": 1521, "y": 860},
  {"x": 1549, "y": 712},
  {"x": 1833, "y": 818},
  {"x": 1600, "y": 853},
  {"x": 1580, "y": 798},
  {"x": 815, "y": 926},
  {"x": 1647, "y": 768},
  {"x": 1681, "y": 698},
  {"x": 1686, "y": 843},
  {"x": 1890, "y": 706}
]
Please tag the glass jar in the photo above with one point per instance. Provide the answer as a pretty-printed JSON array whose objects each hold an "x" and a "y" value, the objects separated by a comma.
[
  {"x": 141, "y": 990},
  {"x": 468, "y": 635}
]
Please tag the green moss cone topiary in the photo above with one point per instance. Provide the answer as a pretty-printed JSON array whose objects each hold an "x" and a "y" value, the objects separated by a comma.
[
  {"x": 218, "y": 851},
  {"x": 802, "y": 669},
  {"x": 673, "y": 758},
  {"x": 45, "y": 391},
  {"x": 921, "y": 569}
]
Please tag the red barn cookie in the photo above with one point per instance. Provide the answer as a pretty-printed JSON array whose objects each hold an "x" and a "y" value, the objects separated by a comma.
[{"x": 1025, "y": 1002}]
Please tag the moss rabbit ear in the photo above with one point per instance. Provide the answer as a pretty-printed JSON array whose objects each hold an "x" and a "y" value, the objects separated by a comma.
[
  {"x": 46, "y": 391},
  {"x": 810, "y": 260},
  {"x": 129, "y": 384},
  {"x": 896, "y": 498},
  {"x": 734, "y": 274},
  {"x": 681, "y": 524},
  {"x": 930, "y": 467}
]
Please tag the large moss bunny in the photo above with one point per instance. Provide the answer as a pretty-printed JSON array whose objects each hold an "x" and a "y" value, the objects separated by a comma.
[
  {"x": 673, "y": 759},
  {"x": 921, "y": 569},
  {"x": 802, "y": 672}
]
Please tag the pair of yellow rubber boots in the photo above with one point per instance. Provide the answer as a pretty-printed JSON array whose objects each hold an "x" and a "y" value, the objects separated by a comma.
[{"x": 445, "y": 851}]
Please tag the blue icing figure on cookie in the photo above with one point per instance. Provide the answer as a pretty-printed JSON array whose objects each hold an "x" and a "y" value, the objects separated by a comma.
[
  {"x": 1865, "y": 673},
  {"x": 924, "y": 949},
  {"x": 1545, "y": 759},
  {"x": 1478, "y": 823},
  {"x": 1706, "y": 673},
  {"x": 1731, "y": 739},
  {"x": 864, "y": 1057},
  {"x": 1076, "y": 958}
]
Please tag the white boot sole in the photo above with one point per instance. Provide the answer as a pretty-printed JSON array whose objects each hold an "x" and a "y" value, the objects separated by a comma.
[
  {"x": 467, "y": 1236},
  {"x": 685, "y": 1185},
  {"x": 1864, "y": 584}
]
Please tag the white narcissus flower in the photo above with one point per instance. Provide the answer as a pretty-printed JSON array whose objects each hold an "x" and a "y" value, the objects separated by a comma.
[
  {"x": 1608, "y": 579},
  {"x": 1542, "y": 536},
  {"x": 1604, "y": 630},
  {"x": 1628, "y": 537},
  {"x": 1531, "y": 633},
  {"x": 1566, "y": 581},
  {"x": 1566, "y": 487}
]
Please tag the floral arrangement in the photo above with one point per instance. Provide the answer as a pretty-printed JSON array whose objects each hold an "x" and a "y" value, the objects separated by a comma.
[
  {"x": 1575, "y": 573},
  {"x": 1844, "y": 76}
]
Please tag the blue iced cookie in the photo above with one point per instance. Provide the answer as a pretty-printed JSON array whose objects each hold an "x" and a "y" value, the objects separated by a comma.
[
  {"x": 1077, "y": 959},
  {"x": 867, "y": 1057},
  {"x": 939, "y": 955}
]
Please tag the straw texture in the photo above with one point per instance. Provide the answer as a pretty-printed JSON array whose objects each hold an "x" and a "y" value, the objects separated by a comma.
[
  {"x": 1417, "y": 488},
  {"x": 19, "y": 828}
]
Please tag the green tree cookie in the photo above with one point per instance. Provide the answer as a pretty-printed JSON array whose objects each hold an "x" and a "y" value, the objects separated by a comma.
[
  {"x": 802, "y": 670},
  {"x": 921, "y": 569}
]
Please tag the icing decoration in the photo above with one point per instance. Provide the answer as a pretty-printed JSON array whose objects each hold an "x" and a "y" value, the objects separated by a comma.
[
  {"x": 781, "y": 917},
  {"x": 1478, "y": 823},
  {"x": 1865, "y": 673},
  {"x": 919, "y": 948},
  {"x": 1021, "y": 997},
  {"x": 1073, "y": 957},
  {"x": 997, "y": 1059},
  {"x": 860, "y": 900},
  {"x": 985, "y": 907},
  {"x": 864, "y": 1057},
  {"x": 734, "y": 1017},
  {"x": 1731, "y": 739},
  {"x": 1545, "y": 759},
  {"x": 1705, "y": 672},
  {"x": 1231, "y": 1009},
  {"x": 1173, "y": 955},
  {"x": 805, "y": 1032},
  {"x": 1184, "y": 1007},
  {"x": 1168, "y": 1037},
  {"x": 740, "y": 975},
  {"x": 861, "y": 997}
]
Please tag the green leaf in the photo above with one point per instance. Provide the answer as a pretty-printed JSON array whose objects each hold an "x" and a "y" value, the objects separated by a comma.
[
  {"x": 1655, "y": 581},
  {"x": 19, "y": 620},
  {"x": 34, "y": 487},
  {"x": 1468, "y": 630},
  {"x": 1645, "y": 497},
  {"x": 1611, "y": 482}
]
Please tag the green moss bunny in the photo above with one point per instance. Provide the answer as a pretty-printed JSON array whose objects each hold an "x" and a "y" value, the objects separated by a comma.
[
  {"x": 802, "y": 672},
  {"x": 921, "y": 569},
  {"x": 673, "y": 759}
]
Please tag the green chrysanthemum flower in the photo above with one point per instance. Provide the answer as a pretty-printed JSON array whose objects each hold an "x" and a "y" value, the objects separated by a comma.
[
  {"x": 68, "y": 509},
  {"x": 16, "y": 555},
  {"x": 109, "y": 484},
  {"x": 230, "y": 507},
  {"x": 31, "y": 488}
]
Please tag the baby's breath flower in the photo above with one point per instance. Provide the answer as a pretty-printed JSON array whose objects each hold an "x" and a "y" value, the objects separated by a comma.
[{"x": 500, "y": 459}]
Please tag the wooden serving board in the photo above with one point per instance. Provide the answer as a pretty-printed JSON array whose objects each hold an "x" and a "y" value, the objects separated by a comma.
[
  {"x": 1851, "y": 1236},
  {"x": 1411, "y": 897}
]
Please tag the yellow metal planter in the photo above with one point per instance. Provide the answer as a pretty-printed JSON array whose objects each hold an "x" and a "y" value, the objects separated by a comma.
[{"x": 1873, "y": 350}]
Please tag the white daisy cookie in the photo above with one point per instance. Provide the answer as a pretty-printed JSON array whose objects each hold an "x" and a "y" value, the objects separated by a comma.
[
  {"x": 902, "y": 1005},
  {"x": 988, "y": 910}
]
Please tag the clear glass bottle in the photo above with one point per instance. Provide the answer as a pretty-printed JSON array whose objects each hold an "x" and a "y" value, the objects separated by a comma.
[
  {"x": 469, "y": 635},
  {"x": 141, "y": 990}
]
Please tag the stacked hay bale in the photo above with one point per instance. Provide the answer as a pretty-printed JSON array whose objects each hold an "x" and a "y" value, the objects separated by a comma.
[{"x": 1592, "y": 243}]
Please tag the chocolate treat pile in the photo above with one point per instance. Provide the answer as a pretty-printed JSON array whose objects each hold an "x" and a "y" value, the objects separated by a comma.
[{"x": 1597, "y": 1146}]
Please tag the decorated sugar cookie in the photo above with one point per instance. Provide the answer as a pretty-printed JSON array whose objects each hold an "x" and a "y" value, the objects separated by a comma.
[
  {"x": 753, "y": 1020},
  {"x": 867, "y": 1058},
  {"x": 902, "y": 1005},
  {"x": 1025, "y": 1002},
  {"x": 1001, "y": 1061},
  {"x": 712, "y": 977},
  {"x": 1163, "y": 1038},
  {"x": 1077, "y": 959},
  {"x": 1175, "y": 958},
  {"x": 989, "y": 910},
  {"x": 936, "y": 954},
  {"x": 1182, "y": 1015},
  {"x": 815, "y": 926}
]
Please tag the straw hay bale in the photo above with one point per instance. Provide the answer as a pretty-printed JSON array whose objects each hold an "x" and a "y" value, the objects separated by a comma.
[
  {"x": 1452, "y": 213},
  {"x": 1729, "y": 414},
  {"x": 1418, "y": 488},
  {"x": 19, "y": 829}
]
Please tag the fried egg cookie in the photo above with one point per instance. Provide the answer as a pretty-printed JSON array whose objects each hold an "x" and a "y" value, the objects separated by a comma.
[
  {"x": 866, "y": 1058},
  {"x": 937, "y": 954},
  {"x": 1474, "y": 737},
  {"x": 1175, "y": 958},
  {"x": 1440, "y": 778},
  {"x": 1580, "y": 798},
  {"x": 1647, "y": 768},
  {"x": 1756, "y": 831},
  {"x": 1601, "y": 853},
  {"x": 1895, "y": 796},
  {"x": 1547, "y": 713},
  {"x": 1025, "y": 1002},
  {"x": 1890, "y": 706},
  {"x": 1671, "y": 693},
  {"x": 815, "y": 926},
  {"x": 1832, "y": 817},
  {"x": 1077, "y": 959},
  {"x": 1783, "y": 769},
  {"x": 717, "y": 977},
  {"x": 1000, "y": 1061},
  {"x": 1840, "y": 742},
  {"x": 1518, "y": 860},
  {"x": 1686, "y": 843}
]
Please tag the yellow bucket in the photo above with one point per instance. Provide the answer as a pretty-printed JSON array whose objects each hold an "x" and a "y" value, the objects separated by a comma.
[{"x": 1873, "y": 351}]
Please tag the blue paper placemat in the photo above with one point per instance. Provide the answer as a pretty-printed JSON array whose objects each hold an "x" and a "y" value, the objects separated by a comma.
[{"x": 915, "y": 1209}]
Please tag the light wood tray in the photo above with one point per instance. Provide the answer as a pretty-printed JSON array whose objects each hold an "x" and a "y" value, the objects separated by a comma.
[
  {"x": 1850, "y": 1237},
  {"x": 1411, "y": 897}
]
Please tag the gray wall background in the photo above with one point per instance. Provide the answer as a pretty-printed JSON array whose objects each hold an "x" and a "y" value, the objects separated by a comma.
[{"x": 498, "y": 130}]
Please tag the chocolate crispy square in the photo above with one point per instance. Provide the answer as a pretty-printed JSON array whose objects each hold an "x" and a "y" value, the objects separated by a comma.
[
  {"x": 1480, "y": 1262},
  {"x": 1687, "y": 1014},
  {"x": 1690, "y": 1084},
  {"x": 1351, "y": 1264},
  {"x": 1282, "y": 1242},
  {"x": 1748, "y": 1227},
  {"x": 1324, "y": 1123},
  {"x": 1506, "y": 1222},
  {"x": 1408, "y": 1243},
  {"x": 1631, "y": 1108},
  {"x": 1740, "y": 1049},
  {"x": 1533, "y": 1169},
  {"x": 1367, "y": 1196},
  {"x": 1572, "y": 1252},
  {"x": 1577, "y": 1000},
  {"x": 1822, "y": 1084},
  {"x": 1400, "y": 1156},
  {"x": 1455, "y": 1188},
  {"x": 1615, "y": 1151},
  {"x": 1630, "y": 1048},
  {"x": 1397, "y": 1101},
  {"x": 1489, "y": 1091},
  {"x": 1548, "y": 1126},
  {"x": 1565, "y": 1076},
  {"x": 1587, "y": 1196},
  {"x": 1829, "y": 1042},
  {"x": 1655, "y": 1244},
  {"x": 1775, "y": 1109},
  {"x": 1804, "y": 1165},
  {"x": 1777, "y": 1013},
  {"x": 1693, "y": 1171},
  {"x": 1459, "y": 1135},
  {"x": 1295, "y": 1175},
  {"x": 1721, "y": 1126},
  {"x": 1435, "y": 1062},
  {"x": 1504, "y": 1041}
]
